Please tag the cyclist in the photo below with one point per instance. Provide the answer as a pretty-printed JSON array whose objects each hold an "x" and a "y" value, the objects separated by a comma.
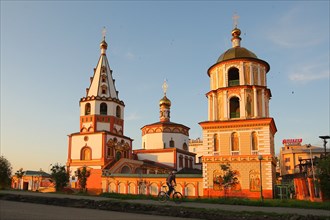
[{"x": 171, "y": 182}]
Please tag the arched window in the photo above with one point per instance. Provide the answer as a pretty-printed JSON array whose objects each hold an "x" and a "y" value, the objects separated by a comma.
[
  {"x": 186, "y": 162},
  {"x": 180, "y": 161},
  {"x": 233, "y": 77},
  {"x": 185, "y": 146},
  {"x": 171, "y": 143},
  {"x": 234, "y": 107},
  {"x": 103, "y": 109},
  {"x": 104, "y": 90},
  {"x": 118, "y": 114},
  {"x": 254, "y": 142},
  {"x": 86, "y": 153},
  {"x": 215, "y": 143},
  {"x": 234, "y": 144},
  {"x": 87, "y": 109},
  {"x": 190, "y": 162}
]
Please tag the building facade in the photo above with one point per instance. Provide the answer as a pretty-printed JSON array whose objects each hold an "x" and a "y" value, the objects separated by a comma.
[{"x": 239, "y": 130}]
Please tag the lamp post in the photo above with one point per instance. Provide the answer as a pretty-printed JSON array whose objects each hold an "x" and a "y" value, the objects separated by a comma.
[
  {"x": 260, "y": 159},
  {"x": 311, "y": 156},
  {"x": 325, "y": 144}
]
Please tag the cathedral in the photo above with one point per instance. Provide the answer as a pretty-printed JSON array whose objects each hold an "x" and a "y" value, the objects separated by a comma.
[{"x": 238, "y": 133}]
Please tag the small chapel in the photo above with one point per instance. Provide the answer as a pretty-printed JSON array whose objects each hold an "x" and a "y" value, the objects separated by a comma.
[{"x": 239, "y": 133}]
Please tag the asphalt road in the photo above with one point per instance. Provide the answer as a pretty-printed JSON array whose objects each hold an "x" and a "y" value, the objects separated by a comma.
[
  {"x": 27, "y": 211},
  {"x": 222, "y": 207}
]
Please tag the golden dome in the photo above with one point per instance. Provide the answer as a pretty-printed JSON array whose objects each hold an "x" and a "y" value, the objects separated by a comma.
[
  {"x": 235, "y": 53},
  {"x": 165, "y": 101}
]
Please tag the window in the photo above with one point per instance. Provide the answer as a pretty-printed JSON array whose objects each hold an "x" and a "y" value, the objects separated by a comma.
[
  {"x": 118, "y": 113},
  {"x": 103, "y": 109},
  {"x": 215, "y": 143},
  {"x": 234, "y": 107},
  {"x": 181, "y": 161},
  {"x": 254, "y": 142},
  {"x": 104, "y": 78},
  {"x": 233, "y": 77},
  {"x": 104, "y": 90},
  {"x": 186, "y": 162},
  {"x": 86, "y": 153},
  {"x": 88, "y": 109},
  {"x": 171, "y": 143},
  {"x": 185, "y": 146},
  {"x": 287, "y": 159},
  {"x": 234, "y": 143}
]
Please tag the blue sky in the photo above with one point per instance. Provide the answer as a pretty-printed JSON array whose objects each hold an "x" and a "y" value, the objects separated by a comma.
[{"x": 49, "y": 50}]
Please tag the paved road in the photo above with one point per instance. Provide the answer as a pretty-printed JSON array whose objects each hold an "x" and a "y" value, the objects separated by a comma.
[
  {"x": 233, "y": 208},
  {"x": 28, "y": 211}
]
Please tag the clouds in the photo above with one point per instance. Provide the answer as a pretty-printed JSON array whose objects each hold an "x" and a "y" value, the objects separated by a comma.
[
  {"x": 307, "y": 72},
  {"x": 289, "y": 32}
]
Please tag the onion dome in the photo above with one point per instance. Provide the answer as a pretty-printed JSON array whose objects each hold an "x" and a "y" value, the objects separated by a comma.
[
  {"x": 236, "y": 51},
  {"x": 165, "y": 101}
]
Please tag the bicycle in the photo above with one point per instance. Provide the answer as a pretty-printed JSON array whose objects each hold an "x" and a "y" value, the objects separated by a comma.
[{"x": 164, "y": 197}]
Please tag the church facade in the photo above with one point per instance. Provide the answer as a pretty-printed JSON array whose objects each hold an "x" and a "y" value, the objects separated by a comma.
[{"x": 238, "y": 132}]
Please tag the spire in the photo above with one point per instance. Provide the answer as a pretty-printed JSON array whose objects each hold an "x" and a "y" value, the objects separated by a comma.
[
  {"x": 103, "y": 45},
  {"x": 102, "y": 82},
  {"x": 236, "y": 40}
]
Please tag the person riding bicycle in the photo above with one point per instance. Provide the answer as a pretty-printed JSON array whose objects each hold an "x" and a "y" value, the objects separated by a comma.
[{"x": 171, "y": 182}]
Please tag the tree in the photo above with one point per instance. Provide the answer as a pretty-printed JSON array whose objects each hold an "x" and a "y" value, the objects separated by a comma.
[
  {"x": 82, "y": 175},
  {"x": 19, "y": 174},
  {"x": 323, "y": 173},
  {"x": 60, "y": 176},
  {"x": 229, "y": 178},
  {"x": 5, "y": 173}
]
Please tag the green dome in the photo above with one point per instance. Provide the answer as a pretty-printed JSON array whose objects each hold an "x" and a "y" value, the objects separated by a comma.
[{"x": 236, "y": 53}]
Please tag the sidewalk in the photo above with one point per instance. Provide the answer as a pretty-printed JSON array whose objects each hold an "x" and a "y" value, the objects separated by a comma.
[{"x": 231, "y": 208}]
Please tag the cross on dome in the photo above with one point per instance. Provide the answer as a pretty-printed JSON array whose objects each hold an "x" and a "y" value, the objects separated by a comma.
[
  {"x": 235, "y": 19},
  {"x": 164, "y": 86},
  {"x": 104, "y": 31}
]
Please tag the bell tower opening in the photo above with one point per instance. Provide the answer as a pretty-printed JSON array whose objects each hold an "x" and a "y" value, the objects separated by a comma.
[
  {"x": 233, "y": 77},
  {"x": 234, "y": 107}
]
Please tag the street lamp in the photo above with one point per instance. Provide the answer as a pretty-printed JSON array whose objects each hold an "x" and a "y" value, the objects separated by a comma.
[
  {"x": 325, "y": 144},
  {"x": 311, "y": 156},
  {"x": 260, "y": 159}
]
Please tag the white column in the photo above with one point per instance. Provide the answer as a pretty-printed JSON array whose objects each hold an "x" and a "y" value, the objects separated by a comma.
[
  {"x": 251, "y": 74},
  {"x": 241, "y": 74},
  {"x": 210, "y": 107},
  {"x": 225, "y": 104},
  {"x": 259, "y": 78},
  {"x": 224, "y": 74},
  {"x": 217, "y": 78},
  {"x": 242, "y": 104},
  {"x": 255, "y": 102},
  {"x": 263, "y": 102},
  {"x": 215, "y": 109}
]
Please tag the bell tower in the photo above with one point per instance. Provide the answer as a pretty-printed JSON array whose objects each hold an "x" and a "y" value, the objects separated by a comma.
[{"x": 239, "y": 126}]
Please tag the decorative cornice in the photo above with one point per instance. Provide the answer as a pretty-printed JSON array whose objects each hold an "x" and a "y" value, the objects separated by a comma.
[
  {"x": 238, "y": 159},
  {"x": 92, "y": 98},
  {"x": 240, "y": 123}
]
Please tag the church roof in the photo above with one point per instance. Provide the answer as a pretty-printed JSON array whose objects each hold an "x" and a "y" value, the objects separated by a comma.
[
  {"x": 235, "y": 53},
  {"x": 166, "y": 124},
  {"x": 102, "y": 83},
  {"x": 238, "y": 52}
]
